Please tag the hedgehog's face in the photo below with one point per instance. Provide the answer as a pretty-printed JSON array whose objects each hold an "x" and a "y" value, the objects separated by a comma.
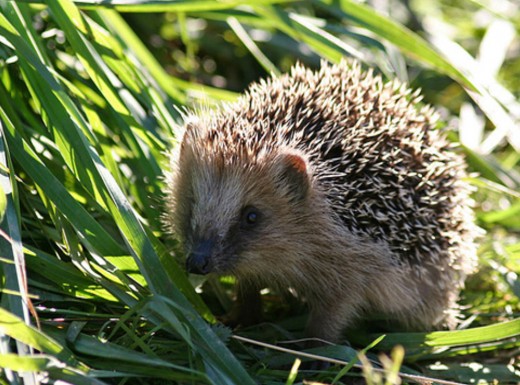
[{"x": 237, "y": 217}]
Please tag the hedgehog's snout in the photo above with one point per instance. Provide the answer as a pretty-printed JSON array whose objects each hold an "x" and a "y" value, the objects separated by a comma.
[{"x": 199, "y": 260}]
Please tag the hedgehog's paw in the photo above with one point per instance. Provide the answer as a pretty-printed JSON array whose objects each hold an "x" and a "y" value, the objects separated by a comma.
[
  {"x": 240, "y": 317},
  {"x": 246, "y": 310}
]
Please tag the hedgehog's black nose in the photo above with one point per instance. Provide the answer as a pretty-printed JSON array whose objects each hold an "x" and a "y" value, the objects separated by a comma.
[{"x": 199, "y": 260}]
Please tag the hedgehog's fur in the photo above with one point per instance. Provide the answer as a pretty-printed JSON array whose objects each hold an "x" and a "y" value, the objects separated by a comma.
[{"x": 360, "y": 203}]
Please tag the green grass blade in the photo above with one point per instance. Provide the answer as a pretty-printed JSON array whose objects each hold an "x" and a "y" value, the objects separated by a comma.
[
  {"x": 316, "y": 40},
  {"x": 149, "y": 6},
  {"x": 13, "y": 272},
  {"x": 173, "y": 86},
  {"x": 10, "y": 239},
  {"x": 85, "y": 163},
  {"x": 251, "y": 46},
  {"x": 46, "y": 364},
  {"x": 408, "y": 41},
  {"x": 16, "y": 328},
  {"x": 27, "y": 363},
  {"x": 143, "y": 363},
  {"x": 474, "y": 372},
  {"x": 102, "y": 242},
  {"x": 479, "y": 335},
  {"x": 76, "y": 284}
]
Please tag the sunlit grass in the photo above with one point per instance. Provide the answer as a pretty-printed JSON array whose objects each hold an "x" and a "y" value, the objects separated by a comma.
[{"x": 86, "y": 116}]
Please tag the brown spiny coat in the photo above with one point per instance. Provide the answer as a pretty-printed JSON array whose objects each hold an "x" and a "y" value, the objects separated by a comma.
[{"x": 335, "y": 184}]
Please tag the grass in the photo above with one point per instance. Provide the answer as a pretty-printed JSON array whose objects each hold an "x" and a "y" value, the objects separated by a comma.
[{"x": 89, "y": 96}]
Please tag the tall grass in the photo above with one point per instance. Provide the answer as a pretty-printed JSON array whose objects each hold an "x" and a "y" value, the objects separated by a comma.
[{"x": 91, "y": 293}]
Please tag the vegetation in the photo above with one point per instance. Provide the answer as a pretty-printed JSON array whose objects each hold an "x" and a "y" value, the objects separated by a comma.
[{"x": 90, "y": 93}]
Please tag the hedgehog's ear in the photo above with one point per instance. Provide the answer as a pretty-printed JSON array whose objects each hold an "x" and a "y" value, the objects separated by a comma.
[
  {"x": 187, "y": 134},
  {"x": 292, "y": 171},
  {"x": 188, "y": 130}
]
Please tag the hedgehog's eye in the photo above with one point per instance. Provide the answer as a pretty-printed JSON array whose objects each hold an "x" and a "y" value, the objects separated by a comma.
[{"x": 250, "y": 217}]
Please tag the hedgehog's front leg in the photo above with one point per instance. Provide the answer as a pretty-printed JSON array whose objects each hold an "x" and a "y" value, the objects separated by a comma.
[
  {"x": 327, "y": 320},
  {"x": 247, "y": 308}
]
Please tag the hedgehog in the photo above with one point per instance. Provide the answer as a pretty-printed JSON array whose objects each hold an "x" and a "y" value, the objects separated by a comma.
[{"x": 332, "y": 183}]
